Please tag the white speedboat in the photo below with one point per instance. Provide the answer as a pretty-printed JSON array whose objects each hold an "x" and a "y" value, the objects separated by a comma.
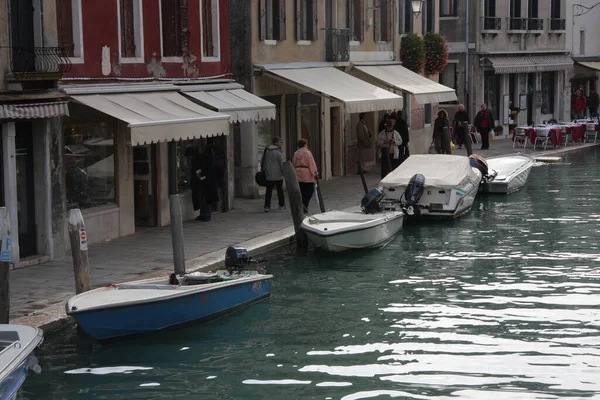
[
  {"x": 433, "y": 185},
  {"x": 17, "y": 344},
  {"x": 511, "y": 173}
]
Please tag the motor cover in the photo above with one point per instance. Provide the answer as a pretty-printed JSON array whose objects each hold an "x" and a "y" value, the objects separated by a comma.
[
  {"x": 236, "y": 256},
  {"x": 370, "y": 204},
  {"x": 414, "y": 189}
]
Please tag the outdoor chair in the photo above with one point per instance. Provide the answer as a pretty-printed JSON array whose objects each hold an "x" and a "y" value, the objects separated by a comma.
[
  {"x": 590, "y": 132},
  {"x": 566, "y": 137},
  {"x": 520, "y": 138},
  {"x": 542, "y": 136}
]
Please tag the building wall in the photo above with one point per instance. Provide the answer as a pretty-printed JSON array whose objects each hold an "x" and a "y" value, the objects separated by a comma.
[
  {"x": 589, "y": 24},
  {"x": 102, "y": 17},
  {"x": 4, "y": 42}
]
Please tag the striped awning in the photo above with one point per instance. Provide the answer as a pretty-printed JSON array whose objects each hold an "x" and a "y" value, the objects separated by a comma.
[
  {"x": 526, "y": 64},
  {"x": 34, "y": 110}
]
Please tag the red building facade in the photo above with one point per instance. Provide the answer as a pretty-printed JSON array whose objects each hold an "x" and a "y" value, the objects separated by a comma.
[{"x": 149, "y": 39}]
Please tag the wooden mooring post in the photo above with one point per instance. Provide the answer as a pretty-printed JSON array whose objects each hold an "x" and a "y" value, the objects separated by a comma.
[
  {"x": 320, "y": 195},
  {"x": 5, "y": 260},
  {"x": 361, "y": 172},
  {"x": 295, "y": 199},
  {"x": 177, "y": 235},
  {"x": 79, "y": 251}
]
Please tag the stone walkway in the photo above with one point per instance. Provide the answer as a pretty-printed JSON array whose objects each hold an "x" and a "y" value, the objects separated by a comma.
[{"x": 38, "y": 293}]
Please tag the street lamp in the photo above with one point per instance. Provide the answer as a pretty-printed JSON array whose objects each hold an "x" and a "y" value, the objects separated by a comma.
[
  {"x": 579, "y": 9},
  {"x": 417, "y": 6}
]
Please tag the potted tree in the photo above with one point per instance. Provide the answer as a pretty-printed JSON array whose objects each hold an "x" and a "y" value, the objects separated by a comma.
[
  {"x": 412, "y": 52},
  {"x": 436, "y": 53}
]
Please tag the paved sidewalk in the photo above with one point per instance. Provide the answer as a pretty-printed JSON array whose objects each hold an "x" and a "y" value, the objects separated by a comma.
[{"x": 38, "y": 293}]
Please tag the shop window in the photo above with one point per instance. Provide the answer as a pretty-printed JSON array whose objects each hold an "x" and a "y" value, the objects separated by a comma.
[
  {"x": 89, "y": 159},
  {"x": 427, "y": 114},
  {"x": 491, "y": 91},
  {"x": 272, "y": 19},
  {"x": 186, "y": 150},
  {"x": 68, "y": 21},
  {"x": 548, "y": 84},
  {"x": 210, "y": 30},
  {"x": 448, "y": 8},
  {"x": 172, "y": 28},
  {"x": 307, "y": 27},
  {"x": 130, "y": 28}
]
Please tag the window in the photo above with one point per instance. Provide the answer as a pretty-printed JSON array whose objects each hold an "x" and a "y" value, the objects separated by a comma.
[
  {"x": 548, "y": 84},
  {"x": 210, "y": 29},
  {"x": 173, "y": 29},
  {"x": 382, "y": 15},
  {"x": 408, "y": 17},
  {"x": 356, "y": 18},
  {"x": 532, "y": 9},
  {"x": 448, "y": 8},
  {"x": 272, "y": 20},
  {"x": 306, "y": 20},
  {"x": 515, "y": 8},
  {"x": 448, "y": 76},
  {"x": 582, "y": 42},
  {"x": 491, "y": 91},
  {"x": 555, "y": 7},
  {"x": 427, "y": 114},
  {"x": 89, "y": 159},
  {"x": 428, "y": 16},
  {"x": 489, "y": 8},
  {"x": 68, "y": 20},
  {"x": 130, "y": 28}
]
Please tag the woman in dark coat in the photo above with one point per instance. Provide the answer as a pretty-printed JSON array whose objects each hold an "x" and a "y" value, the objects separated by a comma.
[
  {"x": 441, "y": 134},
  {"x": 204, "y": 181}
]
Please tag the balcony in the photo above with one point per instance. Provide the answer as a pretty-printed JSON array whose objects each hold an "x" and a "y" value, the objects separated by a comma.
[
  {"x": 38, "y": 63},
  {"x": 535, "y": 24},
  {"x": 557, "y": 25},
  {"x": 337, "y": 45},
  {"x": 491, "y": 24},
  {"x": 517, "y": 25}
]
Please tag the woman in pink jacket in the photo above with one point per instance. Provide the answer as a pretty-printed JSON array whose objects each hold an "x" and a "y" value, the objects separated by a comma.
[{"x": 306, "y": 171}]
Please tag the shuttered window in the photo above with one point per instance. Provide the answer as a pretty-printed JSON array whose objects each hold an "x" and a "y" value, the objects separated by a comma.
[
  {"x": 357, "y": 19},
  {"x": 272, "y": 20},
  {"x": 127, "y": 28},
  {"x": 307, "y": 26},
  {"x": 174, "y": 23},
  {"x": 385, "y": 27},
  {"x": 208, "y": 45},
  {"x": 64, "y": 20}
]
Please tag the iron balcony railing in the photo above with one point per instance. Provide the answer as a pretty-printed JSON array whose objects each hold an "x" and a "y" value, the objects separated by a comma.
[
  {"x": 535, "y": 24},
  {"x": 557, "y": 24},
  {"x": 39, "y": 60},
  {"x": 517, "y": 24},
  {"x": 337, "y": 45},
  {"x": 492, "y": 23}
]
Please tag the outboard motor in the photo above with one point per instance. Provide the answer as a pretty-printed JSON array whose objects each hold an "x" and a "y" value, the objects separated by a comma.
[
  {"x": 480, "y": 163},
  {"x": 413, "y": 194},
  {"x": 237, "y": 258},
  {"x": 371, "y": 203}
]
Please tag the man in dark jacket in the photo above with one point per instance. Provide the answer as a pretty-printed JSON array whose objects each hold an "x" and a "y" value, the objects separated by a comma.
[
  {"x": 204, "y": 181},
  {"x": 461, "y": 126},
  {"x": 484, "y": 122},
  {"x": 401, "y": 126}
]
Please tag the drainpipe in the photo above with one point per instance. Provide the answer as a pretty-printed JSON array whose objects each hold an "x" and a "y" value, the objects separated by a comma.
[{"x": 467, "y": 66}]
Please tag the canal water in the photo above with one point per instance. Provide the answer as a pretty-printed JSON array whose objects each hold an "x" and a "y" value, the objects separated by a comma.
[{"x": 501, "y": 304}]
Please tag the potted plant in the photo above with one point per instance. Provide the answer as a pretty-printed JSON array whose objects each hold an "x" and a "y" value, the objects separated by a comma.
[
  {"x": 436, "y": 53},
  {"x": 412, "y": 52}
]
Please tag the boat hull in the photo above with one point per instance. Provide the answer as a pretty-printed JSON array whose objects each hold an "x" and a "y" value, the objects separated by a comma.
[
  {"x": 17, "y": 345},
  {"x": 11, "y": 384},
  {"x": 510, "y": 180},
  {"x": 356, "y": 238},
  {"x": 136, "y": 319}
]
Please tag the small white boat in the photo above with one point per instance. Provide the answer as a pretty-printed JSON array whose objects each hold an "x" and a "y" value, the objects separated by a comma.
[
  {"x": 17, "y": 344},
  {"x": 341, "y": 230},
  {"x": 433, "y": 185},
  {"x": 511, "y": 173}
]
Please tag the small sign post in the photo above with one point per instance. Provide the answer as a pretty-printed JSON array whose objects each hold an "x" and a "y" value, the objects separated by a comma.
[
  {"x": 5, "y": 260},
  {"x": 79, "y": 251}
]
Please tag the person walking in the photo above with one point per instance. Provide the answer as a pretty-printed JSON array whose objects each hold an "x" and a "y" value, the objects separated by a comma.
[
  {"x": 579, "y": 104},
  {"x": 388, "y": 141},
  {"x": 593, "y": 103},
  {"x": 484, "y": 122},
  {"x": 273, "y": 167},
  {"x": 401, "y": 126},
  {"x": 204, "y": 181},
  {"x": 306, "y": 171},
  {"x": 363, "y": 137},
  {"x": 461, "y": 129},
  {"x": 441, "y": 133}
]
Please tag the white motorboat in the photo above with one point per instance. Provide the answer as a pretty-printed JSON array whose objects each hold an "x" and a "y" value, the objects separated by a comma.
[
  {"x": 17, "y": 344},
  {"x": 342, "y": 230},
  {"x": 433, "y": 185},
  {"x": 511, "y": 173}
]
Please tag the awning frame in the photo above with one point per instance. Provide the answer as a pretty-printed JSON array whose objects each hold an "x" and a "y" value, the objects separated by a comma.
[{"x": 528, "y": 64}]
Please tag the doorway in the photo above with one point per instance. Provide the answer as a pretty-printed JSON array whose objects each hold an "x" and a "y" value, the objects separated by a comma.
[
  {"x": 145, "y": 189},
  {"x": 336, "y": 142},
  {"x": 25, "y": 189},
  {"x": 530, "y": 90}
]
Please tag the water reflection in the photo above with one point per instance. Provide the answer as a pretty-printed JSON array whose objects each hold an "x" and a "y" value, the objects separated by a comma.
[{"x": 502, "y": 304}]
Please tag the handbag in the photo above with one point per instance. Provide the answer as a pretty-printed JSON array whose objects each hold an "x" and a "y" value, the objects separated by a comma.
[
  {"x": 261, "y": 177},
  {"x": 432, "y": 148}
]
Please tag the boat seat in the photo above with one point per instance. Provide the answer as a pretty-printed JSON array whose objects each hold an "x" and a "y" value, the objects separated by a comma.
[{"x": 9, "y": 336}]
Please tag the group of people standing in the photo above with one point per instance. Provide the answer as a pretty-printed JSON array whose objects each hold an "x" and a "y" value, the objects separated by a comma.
[{"x": 580, "y": 103}]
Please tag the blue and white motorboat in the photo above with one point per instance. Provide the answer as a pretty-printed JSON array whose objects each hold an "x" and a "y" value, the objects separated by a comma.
[
  {"x": 155, "y": 304},
  {"x": 17, "y": 344}
]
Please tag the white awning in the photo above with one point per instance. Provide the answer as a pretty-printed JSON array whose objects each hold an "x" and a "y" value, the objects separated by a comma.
[
  {"x": 526, "y": 64},
  {"x": 159, "y": 116},
  {"x": 34, "y": 110},
  {"x": 238, "y": 103},
  {"x": 590, "y": 64},
  {"x": 425, "y": 90},
  {"x": 357, "y": 95}
]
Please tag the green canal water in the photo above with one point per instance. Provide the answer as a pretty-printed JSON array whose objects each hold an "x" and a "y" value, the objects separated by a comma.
[{"x": 501, "y": 304}]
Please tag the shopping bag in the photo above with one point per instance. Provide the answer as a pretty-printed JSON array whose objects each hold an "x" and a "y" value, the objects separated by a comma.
[
  {"x": 432, "y": 148},
  {"x": 452, "y": 147}
]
